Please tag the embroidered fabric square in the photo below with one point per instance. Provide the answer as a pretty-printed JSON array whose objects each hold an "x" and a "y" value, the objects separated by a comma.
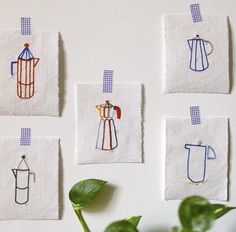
[
  {"x": 196, "y": 158},
  {"x": 196, "y": 54},
  {"x": 29, "y": 179},
  {"x": 29, "y": 73},
  {"x": 108, "y": 124}
]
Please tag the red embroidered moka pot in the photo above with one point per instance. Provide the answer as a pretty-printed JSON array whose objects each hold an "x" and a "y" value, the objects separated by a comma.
[
  {"x": 26, "y": 64},
  {"x": 107, "y": 134}
]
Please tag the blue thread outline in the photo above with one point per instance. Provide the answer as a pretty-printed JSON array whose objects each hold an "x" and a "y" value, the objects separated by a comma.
[
  {"x": 12, "y": 67},
  {"x": 202, "y": 50},
  {"x": 29, "y": 56},
  {"x": 207, "y": 148}
]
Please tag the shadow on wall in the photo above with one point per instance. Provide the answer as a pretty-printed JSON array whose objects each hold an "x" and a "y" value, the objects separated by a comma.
[
  {"x": 230, "y": 59},
  {"x": 229, "y": 159},
  {"x": 61, "y": 185},
  {"x": 62, "y": 75},
  {"x": 143, "y": 106}
]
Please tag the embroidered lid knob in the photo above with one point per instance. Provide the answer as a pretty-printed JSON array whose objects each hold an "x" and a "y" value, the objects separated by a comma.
[
  {"x": 26, "y": 45},
  {"x": 23, "y": 156}
]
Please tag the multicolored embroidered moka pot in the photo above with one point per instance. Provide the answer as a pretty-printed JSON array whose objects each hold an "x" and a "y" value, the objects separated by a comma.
[
  {"x": 198, "y": 53},
  {"x": 107, "y": 135},
  {"x": 26, "y": 64}
]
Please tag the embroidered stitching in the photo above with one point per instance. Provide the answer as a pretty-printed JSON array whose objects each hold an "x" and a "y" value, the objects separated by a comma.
[
  {"x": 196, "y": 171},
  {"x": 107, "y": 134},
  {"x": 26, "y": 64},
  {"x": 198, "y": 53},
  {"x": 22, "y": 181}
]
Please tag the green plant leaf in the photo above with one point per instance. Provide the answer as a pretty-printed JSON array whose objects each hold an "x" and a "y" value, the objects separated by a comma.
[
  {"x": 178, "y": 229},
  {"x": 121, "y": 226},
  {"x": 220, "y": 210},
  {"x": 195, "y": 214},
  {"x": 175, "y": 229},
  {"x": 85, "y": 191},
  {"x": 133, "y": 220}
]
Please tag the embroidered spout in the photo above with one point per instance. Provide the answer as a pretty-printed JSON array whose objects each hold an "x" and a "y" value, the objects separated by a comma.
[
  {"x": 211, "y": 154},
  {"x": 187, "y": 146},
  {"x": 190, "y": 44},
  {"x": 34, "y": 176},
  {"x": 98, "y": 107},
  {"x": 14, "y": 172}
]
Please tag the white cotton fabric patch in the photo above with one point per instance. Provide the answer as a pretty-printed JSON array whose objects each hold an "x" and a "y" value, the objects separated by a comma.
[
  {"x": 42, "y": 158},
  {"x": 93, "y": 135},
  {"x": 188, "y": 68},
  {"x": 183, "y": 178},
  {"x": 45, "y": 100}
]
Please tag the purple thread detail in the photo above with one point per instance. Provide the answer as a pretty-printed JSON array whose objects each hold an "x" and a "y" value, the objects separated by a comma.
[
  {"x": 25, "y": 136},
  {"x": 195, "y": 115},
  {"x": 25, "y": 26},
  {"x": 196, "y": 13},
  {"x": 107, "y": 81}
]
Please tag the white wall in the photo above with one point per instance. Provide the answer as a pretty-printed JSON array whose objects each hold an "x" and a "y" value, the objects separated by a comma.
[{"x": 125, "y": 35}]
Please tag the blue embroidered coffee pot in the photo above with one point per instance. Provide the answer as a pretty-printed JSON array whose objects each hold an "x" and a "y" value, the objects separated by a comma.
[
  {"x": 197, "y": 156},
  {"x": 199, "y": 54}
]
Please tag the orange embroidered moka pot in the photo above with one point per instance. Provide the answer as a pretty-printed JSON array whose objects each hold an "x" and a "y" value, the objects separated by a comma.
[
  {"x": 107, "y": 134},
  {"x": 26, "y": 64}
]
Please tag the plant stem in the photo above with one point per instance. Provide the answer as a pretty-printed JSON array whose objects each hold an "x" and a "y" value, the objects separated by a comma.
[{"x": 82, "y": 221}]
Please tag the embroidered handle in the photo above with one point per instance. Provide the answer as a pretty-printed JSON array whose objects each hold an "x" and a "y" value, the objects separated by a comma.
[
  {"x": 118, "y": 111},
  {"x": 12, "y": 67},
  {"x": 37, "y": 60},
  {"x": 212, "y": 151},
  {"x": 208, "y": 42},
  {"x": 34, "y": 176}
]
